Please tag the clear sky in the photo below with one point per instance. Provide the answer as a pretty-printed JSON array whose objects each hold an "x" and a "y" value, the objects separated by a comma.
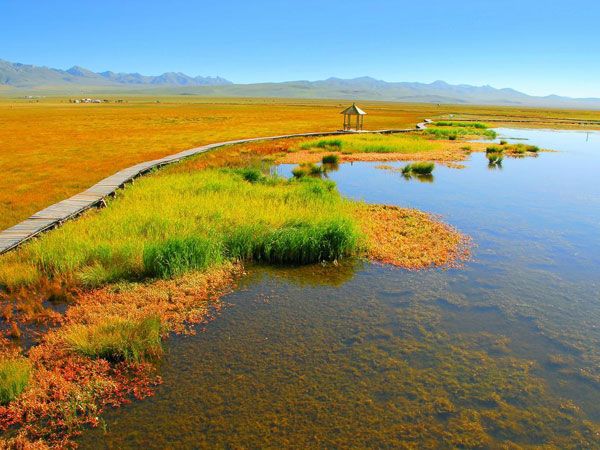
[{"x": 538, "y": 47}]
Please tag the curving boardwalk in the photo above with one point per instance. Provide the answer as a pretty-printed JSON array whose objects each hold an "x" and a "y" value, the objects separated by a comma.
[{"x": 58, "y": 213}]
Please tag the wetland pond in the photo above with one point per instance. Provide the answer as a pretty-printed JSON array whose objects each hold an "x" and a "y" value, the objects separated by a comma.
[{"x": 505, "y": 350}]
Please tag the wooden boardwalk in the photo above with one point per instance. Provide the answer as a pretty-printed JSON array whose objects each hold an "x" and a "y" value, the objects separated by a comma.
[{"x": 56, "y": 214}]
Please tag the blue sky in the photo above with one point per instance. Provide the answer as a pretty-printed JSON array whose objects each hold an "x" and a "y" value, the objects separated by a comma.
[{"x": 539, "y": 47}]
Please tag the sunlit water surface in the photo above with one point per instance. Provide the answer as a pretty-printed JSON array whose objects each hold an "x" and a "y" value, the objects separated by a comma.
[{"x": 505, "y": 350}]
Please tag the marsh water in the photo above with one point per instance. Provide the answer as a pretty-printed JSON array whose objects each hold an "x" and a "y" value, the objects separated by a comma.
[{"x": 504, "y": 350}]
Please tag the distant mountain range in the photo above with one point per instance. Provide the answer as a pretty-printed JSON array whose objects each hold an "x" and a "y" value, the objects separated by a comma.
[
  {"x": 28, "y": 76},
  {"x": 15, "y": 77}
]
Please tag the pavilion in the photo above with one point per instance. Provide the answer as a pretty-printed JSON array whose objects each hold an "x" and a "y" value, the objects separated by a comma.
[{"x": 349, "y": 122}]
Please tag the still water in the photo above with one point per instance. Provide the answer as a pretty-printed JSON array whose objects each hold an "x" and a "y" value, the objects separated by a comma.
[{"x": 504, "y": 351}]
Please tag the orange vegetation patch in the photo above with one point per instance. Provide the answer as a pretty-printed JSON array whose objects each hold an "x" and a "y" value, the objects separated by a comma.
[
  {"x": 69, "y": 391},
  {"x": 179, "y": 302},
  {"x": 410, "y": 239}
]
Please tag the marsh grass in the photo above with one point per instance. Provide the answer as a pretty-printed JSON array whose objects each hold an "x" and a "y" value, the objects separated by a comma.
[
  {"x": 175, "y": 256},
  {"x": 295, "y": 243},
  {"x": 419, "y": 168},
  {"x": 495, "y": 158},
  {"x": 170, "y": 223},
  {"x": 453, "y": 132},
  {"x": 512, "y": 149},
  {"x": 117, "y": 339},
  {"x": 299, "y": 172},
  {"x": 494, "y": 149},
  {"x": 325, "y": 144},
  {"x": 375, "y": 143},
  {"x": 14, "y": 378},
  {"x": 330, "y": 159}
]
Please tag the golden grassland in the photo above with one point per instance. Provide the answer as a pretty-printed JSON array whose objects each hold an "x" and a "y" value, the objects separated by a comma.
[{"x": 51, "y": 149}]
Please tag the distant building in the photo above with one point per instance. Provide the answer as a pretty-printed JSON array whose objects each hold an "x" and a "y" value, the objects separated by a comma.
[{"x": 353, "y": 118}]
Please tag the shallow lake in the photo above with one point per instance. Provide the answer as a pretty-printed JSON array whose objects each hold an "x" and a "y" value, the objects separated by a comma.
[{"x": 506, "y": 349}]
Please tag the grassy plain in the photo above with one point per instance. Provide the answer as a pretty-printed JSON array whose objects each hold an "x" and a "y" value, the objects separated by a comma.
[{"x": 52, "y": 149}]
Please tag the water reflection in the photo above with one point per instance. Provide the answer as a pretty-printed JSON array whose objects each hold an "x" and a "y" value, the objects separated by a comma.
[{"x": 422, "y": 177}]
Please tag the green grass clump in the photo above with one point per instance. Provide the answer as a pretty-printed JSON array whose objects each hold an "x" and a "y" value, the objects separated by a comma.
[
  {"x": 295, "y": 243},
  {"x": 478, "y": 125},
  {"x": 331, "y": 159},
  {"x": 419, "y": 168},
  {"x": 299, "y": 172},
  {"x": 176, "y": 256},
  {"x": 250, "y": 174},
  {"x": 313, "y": 169},
  {"x": 117, "y": 339},
  {"x": 14, "y": 378},
  {"x": 324, "y": 144},
  {"x": 455, "y": 132},
  {"x": 494, "y": 158},
  {"x": 494, "y": 149}
]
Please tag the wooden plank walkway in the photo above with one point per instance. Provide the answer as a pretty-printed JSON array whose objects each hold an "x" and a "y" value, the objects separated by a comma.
[{"x": 56, "y": 214}]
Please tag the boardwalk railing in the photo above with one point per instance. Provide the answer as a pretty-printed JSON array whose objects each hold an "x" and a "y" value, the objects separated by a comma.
[{"x": 56, "y": 214}]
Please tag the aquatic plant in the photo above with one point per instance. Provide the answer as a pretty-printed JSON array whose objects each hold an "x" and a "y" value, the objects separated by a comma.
[
  {"x": 420, "y": 168},
  {"x": 117, "y": 339},
  {"x": 299, "y": 172},
  {"x": 330, "y": 159},
  {"x": 313, "y": 169},
  {"x": 14, "y": 378},
  {"x": 494, "y": 158},
  {"x": 494, "y": 149}
]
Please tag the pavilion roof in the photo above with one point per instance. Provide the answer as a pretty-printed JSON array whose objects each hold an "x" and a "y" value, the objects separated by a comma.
[{"x": 353, "y": 111}]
